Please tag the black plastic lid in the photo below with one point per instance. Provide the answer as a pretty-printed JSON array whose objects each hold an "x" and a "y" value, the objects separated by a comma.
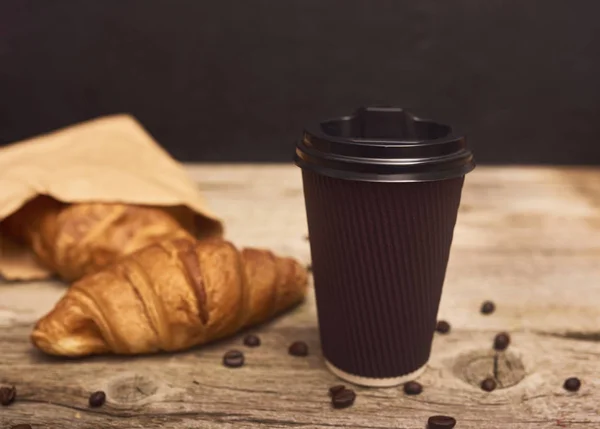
[{"x": 384, "y": 144}]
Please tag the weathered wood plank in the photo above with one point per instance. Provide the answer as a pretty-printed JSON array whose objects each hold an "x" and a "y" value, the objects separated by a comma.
[
  {"x": 527, "y": 238},
  {"x": 276, "y": 389}
]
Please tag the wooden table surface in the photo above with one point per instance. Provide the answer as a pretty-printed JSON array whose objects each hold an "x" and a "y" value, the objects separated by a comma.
[{"x": 526, "y": 238}]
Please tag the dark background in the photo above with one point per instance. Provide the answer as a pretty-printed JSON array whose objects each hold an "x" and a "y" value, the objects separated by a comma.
[{"x": 236, "y": 80}]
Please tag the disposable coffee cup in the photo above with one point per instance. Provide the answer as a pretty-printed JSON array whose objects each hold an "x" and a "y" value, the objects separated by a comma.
[{"x": 382, "y": 190}]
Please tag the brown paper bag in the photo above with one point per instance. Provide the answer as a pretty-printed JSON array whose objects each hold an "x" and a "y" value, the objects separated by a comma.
[{"x": 110, "y": 159}]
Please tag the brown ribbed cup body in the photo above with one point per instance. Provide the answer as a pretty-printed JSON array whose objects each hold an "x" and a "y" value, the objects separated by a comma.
[{"x": 379, "y": 257}]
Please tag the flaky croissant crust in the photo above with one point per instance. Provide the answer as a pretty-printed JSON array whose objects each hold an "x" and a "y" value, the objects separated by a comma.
[
  {"x": 170, "y": 296},
  {"x": 73, "y": 240}
]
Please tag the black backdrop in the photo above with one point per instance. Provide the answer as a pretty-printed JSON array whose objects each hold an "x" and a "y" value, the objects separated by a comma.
[{"x": 235, "y": 80}]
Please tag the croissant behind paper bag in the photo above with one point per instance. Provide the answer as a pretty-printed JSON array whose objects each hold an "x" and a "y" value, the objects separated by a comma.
[
  {"x": 170, "y": 296},
  {"x": 77, "y": 239}
]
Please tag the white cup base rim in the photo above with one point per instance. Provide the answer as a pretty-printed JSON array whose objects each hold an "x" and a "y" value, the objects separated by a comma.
[{"x": 374, "y": 382}]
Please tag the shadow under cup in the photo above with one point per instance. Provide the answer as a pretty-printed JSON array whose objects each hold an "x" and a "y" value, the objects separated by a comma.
[{"x": 382, "y": 190}]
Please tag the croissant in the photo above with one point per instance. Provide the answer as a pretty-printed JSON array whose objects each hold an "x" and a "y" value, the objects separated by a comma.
[
  {"x": 77, "y": 239},
  {"x": 170, "y": 296}
]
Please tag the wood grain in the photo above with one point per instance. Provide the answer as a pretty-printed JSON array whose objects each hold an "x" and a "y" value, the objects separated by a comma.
[{"x": 527, "y": 238}]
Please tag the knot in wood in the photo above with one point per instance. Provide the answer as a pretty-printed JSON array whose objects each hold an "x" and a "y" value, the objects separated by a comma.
[
  {"x": 506, "y": 368},
  {"x": 131, "y": 388}
]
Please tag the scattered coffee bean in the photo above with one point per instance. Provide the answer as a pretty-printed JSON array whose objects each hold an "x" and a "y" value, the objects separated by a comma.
[
  {"x": 488, "y": 384},
  {"x": 413, "y": 388},
  {"x": 334, "y": 390},
  {"x": 309, "y": 268},
  {"x": 306, "y": 237},
  {"x": 343, "y": 399},
  {"x": 501, "y": 341},
  {"x": 488, "y": 307},
  {"x": 441, "y": 422},
  {"x": 252, "y": 341},
  {"x": 7, "y": 395},
  {"x": 21, "y": 426},
  {"x": 572, "y": 384},
  {"x": 97, "y": 399},
  {"x": 233, "y": 359},
  {"x": 442, "y": 327},
  {"x": 299, "y": 348}
]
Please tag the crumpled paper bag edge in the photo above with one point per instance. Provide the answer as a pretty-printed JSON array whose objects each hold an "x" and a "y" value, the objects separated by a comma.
[{"x": 22, "y": 265}]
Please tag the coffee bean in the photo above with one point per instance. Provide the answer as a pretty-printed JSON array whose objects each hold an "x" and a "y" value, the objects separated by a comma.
[
  {"x": 488, "y": 384},
  {"x": 233, "y": 359},
  {"x": 343, "y": 399},
  {"x": 7, "y": 395},
  {"x": 488, "y": 307},
  {"x": 441, "y": 422},
  {"x": 252, "y": 341},
  {"x": 572, "y": 384},
  {"x": 413, "y": 388},
  {"x": 299, "y": 348},
  {"x": 442, "y": 327},
  {"x": 309, "y": 268},
  {"x": 97, "y": 399},
  {"x": 334, "y": 390},
  {"x": 501, "y": 341},
  {"x": 21, "y": 426}
]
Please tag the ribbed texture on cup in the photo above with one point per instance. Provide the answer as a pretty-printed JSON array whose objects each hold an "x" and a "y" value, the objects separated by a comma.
[{"x": 379, "y": 257}]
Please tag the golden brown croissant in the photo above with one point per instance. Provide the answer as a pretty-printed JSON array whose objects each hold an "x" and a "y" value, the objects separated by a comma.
[
  {"x": 170, "y": 296},
  {"x": 77, "y": 239}
]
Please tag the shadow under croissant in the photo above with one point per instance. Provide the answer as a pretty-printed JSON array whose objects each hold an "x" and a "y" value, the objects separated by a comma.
[{"x": 265, "y": 328}]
